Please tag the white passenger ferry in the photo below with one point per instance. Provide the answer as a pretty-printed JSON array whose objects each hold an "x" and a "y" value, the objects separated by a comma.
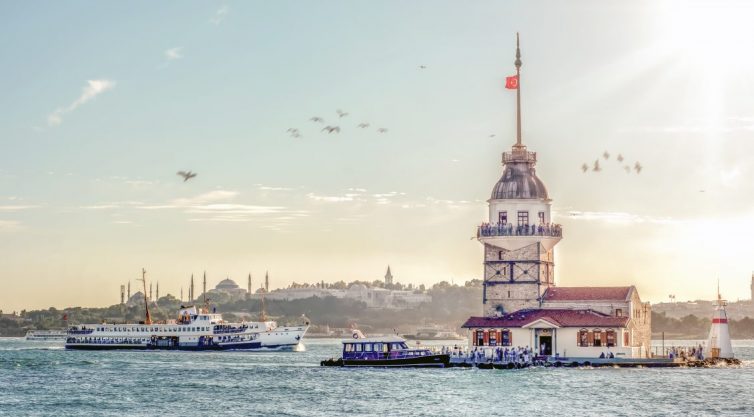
[
  {"x": 193, "y": 330},
  {"x": 46, "y": 335}
]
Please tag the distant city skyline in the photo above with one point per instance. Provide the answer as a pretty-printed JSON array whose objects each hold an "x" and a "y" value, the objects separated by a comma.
[{"x": 104, "y": 103}]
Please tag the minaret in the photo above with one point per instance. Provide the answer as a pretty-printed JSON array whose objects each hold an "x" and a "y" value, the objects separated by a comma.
[
  {"x": 718, "y": 342},
  {"x": 129, "y": 289},
  {"x": 191, "y": 289},
  {"x": 248, "y": 286},
  {"x": 388, "y": 277},
  {"x": 181, "y": 294},
  {"x": 519, "y": 236},
  {"x": 266, "y": 282},
  {"x": 204, "y": 287},
  {"x": 122, "y": 294},
  {"x": 157, "y": 292}
]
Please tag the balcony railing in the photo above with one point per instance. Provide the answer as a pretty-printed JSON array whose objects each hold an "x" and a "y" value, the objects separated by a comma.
[
  {"x": 495, "y": 230},
  {"x": 517, "y": 155}
]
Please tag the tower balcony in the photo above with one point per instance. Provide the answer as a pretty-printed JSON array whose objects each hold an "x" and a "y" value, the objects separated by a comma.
[
  {"x": 519, "y": 155},
  {"x": 510, "y": 237}
]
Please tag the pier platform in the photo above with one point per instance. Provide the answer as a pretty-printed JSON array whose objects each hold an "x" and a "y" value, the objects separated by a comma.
[{"x": 465, "y": 362}]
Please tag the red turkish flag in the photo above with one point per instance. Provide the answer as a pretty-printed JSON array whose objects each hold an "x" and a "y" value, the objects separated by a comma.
[{"x": 511, "y": 82}]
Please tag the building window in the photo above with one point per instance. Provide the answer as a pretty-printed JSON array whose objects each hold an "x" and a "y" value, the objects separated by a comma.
[
  {"x": 500, "y": 255},
  {"x": 493, "y": 338},
  {"x": 618, "y": 312},
  {"x": 503, "y": 217},
  {"x": 610, "y": 338},
  {"x": 583, "y": 338},
  {"x": 479, "y": 338},
  {"x": 597, "y": 338},
  {"x": 506, "y": 338},
  {"x": 509, "y": 294},
  {"x": 523, "y": 218},
  {"x": 541, "y": 217},
  {"x": 626, "y": 339}
]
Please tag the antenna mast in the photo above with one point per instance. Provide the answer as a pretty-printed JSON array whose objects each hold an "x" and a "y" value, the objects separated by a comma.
[{"x": 517, "y": 63}]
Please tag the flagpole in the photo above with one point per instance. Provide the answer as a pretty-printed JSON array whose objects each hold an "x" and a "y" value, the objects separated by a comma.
[{"x": 518, "y": 93}]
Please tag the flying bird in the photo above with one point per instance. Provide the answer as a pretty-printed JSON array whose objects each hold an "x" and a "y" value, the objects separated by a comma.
[
  {"x": 317, "y": 119},
  {"x": 637, "y": 167},
  {"x": 187, "y": 175},
  {"x": 492, "y": 135},
  {"x": 363, "y": 125},
  {"x": 341, "y": 113},
  {"x": 331, "y": 129},
  {"x": 596, "y": 167},
  {"x": 382, "y": 130},
  {"x": 294, "y": 132},
  {"x": 422, "y": 67},
  {"x": 584, "y": 168},
  {"x": 620, "y": 158},
  {"x": 606, "y": 155}
]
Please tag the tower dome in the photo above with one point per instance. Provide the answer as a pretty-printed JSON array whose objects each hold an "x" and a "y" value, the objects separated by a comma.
[{"x": 519, "y": 180}]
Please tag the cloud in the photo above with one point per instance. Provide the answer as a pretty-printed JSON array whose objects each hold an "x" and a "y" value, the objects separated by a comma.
[
  {"x": 16, "y": 207},
  {"x": 335, "y": 198},
  {"x": 219, "y": 15},
  {"x": 618, "y": 217},
  {"x": 6, "y": 225},
  {"x": 268, "y": 188},
  {"x": 174, "y": 53},
  {"x": 89, "y": 92}
]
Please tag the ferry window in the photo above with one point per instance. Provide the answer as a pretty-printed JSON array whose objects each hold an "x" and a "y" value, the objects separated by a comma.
[
  {"x": 395, "y": 346},
  {"x": 368, "y": 347},
  {"x": 503, "y": 217},
  {"x": 541, "y": 217},
  {"x": 384, "y": 347},
  {"x": 358, "y": 347},
  {"x": 403, "y": 346},
  {"x": 523, "y": 218}
]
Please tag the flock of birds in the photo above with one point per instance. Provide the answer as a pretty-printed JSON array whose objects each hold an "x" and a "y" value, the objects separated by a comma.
[
  {"x": 606, "y": 155},
  {"x": 331, "y": 128}
]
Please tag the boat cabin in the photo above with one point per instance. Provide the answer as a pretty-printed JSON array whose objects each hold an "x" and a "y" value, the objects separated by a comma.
[{"x": 380, "y": 348}]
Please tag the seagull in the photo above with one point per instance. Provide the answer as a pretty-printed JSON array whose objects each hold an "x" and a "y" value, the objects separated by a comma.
[
  {"x": 422, "y": 67},
  {"x": 363, "y": 125},
  {"x": 294, "y": 132},
  {"x": 382, "y": 130},
  {"x": 341, "y": 113},
  {"x": 317, "y": 119},
  {"x": 620, "y": 158},
  {"x": 187, "y": 175},
  {"x": 606, "y": 155},
  {"x": 584, "y": 168},
  {"x": 331, "y": 129},
  {"x": 597, "y": 166},
  {"x": 637, "y": 167},
  {"x": 492, "y": 135}
]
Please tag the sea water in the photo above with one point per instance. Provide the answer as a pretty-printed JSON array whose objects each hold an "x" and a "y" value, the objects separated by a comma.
[{"x": 43, "y": 379}]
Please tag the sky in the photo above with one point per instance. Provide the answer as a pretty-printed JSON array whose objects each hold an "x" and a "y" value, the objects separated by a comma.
[{"x": 103, "y": 102}]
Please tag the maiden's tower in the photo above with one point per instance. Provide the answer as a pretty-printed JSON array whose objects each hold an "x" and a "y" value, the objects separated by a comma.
[{"x": 521, "y": 304}]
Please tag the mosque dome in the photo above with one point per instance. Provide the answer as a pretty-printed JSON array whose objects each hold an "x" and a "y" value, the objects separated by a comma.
[
  {"x": 519, "y": 180},
  {"x": 226, "y": 284}
]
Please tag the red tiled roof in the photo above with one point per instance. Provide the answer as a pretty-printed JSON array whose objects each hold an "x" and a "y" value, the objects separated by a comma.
[
  {"x": 587, "y": 293},
  {"x": 563, "y": 318}
]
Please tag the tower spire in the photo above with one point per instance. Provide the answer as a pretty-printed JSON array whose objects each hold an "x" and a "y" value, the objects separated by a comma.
[{"x": 517, "y": 63}]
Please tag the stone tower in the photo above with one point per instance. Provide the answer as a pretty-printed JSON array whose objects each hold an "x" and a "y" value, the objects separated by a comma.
[
  {"x": 519, "y": 237},
  {"x": 388, "y": 277}
]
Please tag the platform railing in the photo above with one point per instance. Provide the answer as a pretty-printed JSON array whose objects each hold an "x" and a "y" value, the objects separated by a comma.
[{"x": 496, "y": 230}]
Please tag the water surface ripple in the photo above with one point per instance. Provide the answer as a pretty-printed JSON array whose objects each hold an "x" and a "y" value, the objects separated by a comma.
[{"x": 42, "y": 379}]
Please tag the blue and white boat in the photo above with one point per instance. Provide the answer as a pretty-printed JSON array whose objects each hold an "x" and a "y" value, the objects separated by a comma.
[
  {"x": 389, "y": 351},
  {"x": 193, "y": 330}
]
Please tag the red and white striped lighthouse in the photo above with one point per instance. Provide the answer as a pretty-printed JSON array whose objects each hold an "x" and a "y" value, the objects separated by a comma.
[{"x": 718, "y": 342}]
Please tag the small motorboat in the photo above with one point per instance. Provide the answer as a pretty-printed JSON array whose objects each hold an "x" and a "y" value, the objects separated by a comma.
[{"x": 389, "y": 351}]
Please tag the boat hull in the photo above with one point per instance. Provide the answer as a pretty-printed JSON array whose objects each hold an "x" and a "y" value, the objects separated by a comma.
[
  {"x": 240, "y": 346},
  {"x": 430, "y": 361}
]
